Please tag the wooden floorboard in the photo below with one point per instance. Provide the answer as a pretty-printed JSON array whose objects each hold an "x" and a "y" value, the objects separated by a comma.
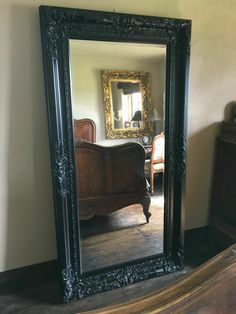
[{"x": 122, "y": 236}]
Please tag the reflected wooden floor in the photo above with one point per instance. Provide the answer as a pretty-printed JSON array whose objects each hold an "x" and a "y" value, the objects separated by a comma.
[{"x": 122, "y": 236}]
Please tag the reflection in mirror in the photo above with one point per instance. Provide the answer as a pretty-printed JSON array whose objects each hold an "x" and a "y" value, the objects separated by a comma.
[
  {"x": 120, "y": 180},
  {"x": 126, "y": 104}
]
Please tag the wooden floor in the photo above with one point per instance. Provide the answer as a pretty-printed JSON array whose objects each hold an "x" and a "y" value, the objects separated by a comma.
[
  {"x": 45, "y": 298},
  {"x": 126, "y": 230}
]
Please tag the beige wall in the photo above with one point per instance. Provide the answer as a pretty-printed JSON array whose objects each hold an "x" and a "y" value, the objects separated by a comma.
[{"x": 26, "y": 208}]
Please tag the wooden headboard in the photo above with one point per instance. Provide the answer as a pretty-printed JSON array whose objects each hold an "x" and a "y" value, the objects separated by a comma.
[{"x": 85, "y": 129}]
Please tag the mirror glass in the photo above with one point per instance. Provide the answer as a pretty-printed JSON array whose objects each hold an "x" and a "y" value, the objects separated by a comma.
[
  {"x": 126, "y": 104},
  {"x": 120, "y": 175}
]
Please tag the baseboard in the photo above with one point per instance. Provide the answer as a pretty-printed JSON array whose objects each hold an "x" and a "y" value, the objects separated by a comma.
[
  {"x": 196, "y": 237},
  {"x": 35, "y": 275},
  {"x": 28, "y": 277}
]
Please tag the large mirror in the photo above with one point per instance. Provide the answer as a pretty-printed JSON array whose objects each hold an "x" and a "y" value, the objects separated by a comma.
[
  {"x": 116, "y": 99},
  {"x": 118, "y": 186}
]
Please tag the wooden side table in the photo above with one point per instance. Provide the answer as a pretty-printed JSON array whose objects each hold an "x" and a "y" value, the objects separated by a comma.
[{"x": 223, "y": 200}]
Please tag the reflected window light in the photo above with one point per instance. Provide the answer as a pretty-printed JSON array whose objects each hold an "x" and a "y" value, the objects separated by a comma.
[{"x": 131, "y": 103}]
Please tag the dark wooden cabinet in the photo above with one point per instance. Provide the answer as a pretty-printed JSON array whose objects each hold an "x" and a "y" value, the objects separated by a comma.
[{"x": 223, "y": 198}]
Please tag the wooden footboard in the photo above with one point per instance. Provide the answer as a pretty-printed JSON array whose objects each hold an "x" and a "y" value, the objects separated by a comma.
[{"x": 110, "y": 178}]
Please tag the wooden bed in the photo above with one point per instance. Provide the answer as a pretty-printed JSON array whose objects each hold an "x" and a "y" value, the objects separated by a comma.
[
  {"x": 210, "y": 289},
  {"x": 85, "y": 129},
  {"x": 110, "y": 178}
]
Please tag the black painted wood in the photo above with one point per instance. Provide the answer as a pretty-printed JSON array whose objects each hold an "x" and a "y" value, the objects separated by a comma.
[
  {"x": 28, "y": 277},
  {"x": 58, "y": 25}
]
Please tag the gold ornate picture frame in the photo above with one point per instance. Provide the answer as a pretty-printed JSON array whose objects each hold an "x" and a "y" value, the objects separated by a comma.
[{"x": 144, "y": 81}]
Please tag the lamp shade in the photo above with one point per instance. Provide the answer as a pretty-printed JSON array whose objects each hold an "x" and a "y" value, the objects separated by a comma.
[{"x": 137, "y": 116}]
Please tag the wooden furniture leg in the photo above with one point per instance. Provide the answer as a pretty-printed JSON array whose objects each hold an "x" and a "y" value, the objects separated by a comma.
[
  {"x": 152, "y": 182},
  {"x": 146, "y": 204}
]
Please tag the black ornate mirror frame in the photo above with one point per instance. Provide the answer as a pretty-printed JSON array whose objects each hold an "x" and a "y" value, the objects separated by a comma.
[{"x": 58, "y": 25}]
